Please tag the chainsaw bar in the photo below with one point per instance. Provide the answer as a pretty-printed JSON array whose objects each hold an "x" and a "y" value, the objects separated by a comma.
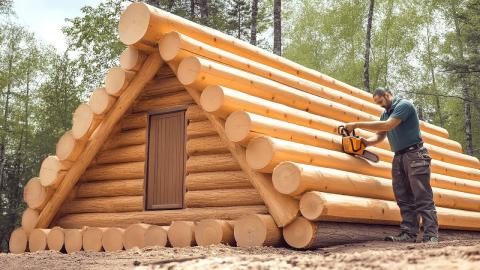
[{"x": 369, "y": 156}]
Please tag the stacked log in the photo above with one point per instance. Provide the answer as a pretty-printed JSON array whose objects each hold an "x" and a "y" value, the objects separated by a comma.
[
  {"x": 181, "y": 234},
  {"x": 112, "y": 239},
  {"x": 92, "y": 238},
  {"x": 257, "y": 230},
  {"x": 56, "y": 239},
  {"x": 214, "y": 232},
  {"x": 35, "y": 194},
  {"x": 134, "y": 236},
  {"x": 18, "y": 241},
  {"x": 156, "y": 236},
  {"x": 37, "y": 240}
]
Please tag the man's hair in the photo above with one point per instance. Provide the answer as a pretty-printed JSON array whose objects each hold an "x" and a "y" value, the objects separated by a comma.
[{"x": 381, "y": 91}]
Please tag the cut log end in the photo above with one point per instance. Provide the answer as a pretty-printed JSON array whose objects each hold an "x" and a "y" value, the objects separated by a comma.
[
  {"x": 29, "y": 219},
  {"x": 132, "y": 59},
  {"x": 188, "y": 70},
  {"x": 256, "y": 230},
  {"x": 259, "y": 153},
  {"x": 100, "y": 101},
  {"x": 73, "y": 240},
  {"x": 50, "y": 171},
  {"x": 212, "y": 98},
  {"x": 299, "y": 234},
  {"x": 156, "y": 236},
  {"x": 169, "y": 46},
  {"x": 214, "y": 232},
  {"x": 56, "y": 239},
  {"x": 37, "y": 240},
  {"x": 134, "y": 23},
  {"x": 34, "y": 194},
  {"x": 238, "y": 126},
  {"x": 134, "y": 236},
  {"x": 312, "y": 205},
  {"x": 81, "y": 122},
  {"x": 18, "y": 241},
  {"x": 112, "y": 239},
  {"x": 117, "y": 80},
  {"x": 68, "y": 148},
  {"x": 286, "y": 178},
  {"x": 181, "y": 234},
  {"x": 92, "y": 239}
]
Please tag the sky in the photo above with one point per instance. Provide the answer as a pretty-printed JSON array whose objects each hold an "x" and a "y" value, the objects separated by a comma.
[{"x": 45, "y": 18}]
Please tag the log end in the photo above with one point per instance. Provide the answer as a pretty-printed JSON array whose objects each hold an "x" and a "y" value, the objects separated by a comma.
[
  {"x": 259, "y": 153},
  {"x": 56, "y": 239},
  {"x": 312, "y": 205},
  {"x": 131, "y": 59},
  {"x": 238, "y": 126},
  {"x": 250, "y": 231},
  {"x": 181, "y": 234},
  {"x": 73, "y": 240},
  {"x": 134, "y": 236},
  {"x": 29, "y": 219},
  {"x": 299, "y": 233},
  {"x": 34, "y": 194},
  {"x": 286, "y": 178},
  {"x": 18, "y": 241},
  {"x": 92, "y": 239},
  {"x": 188, "y": 70},
  {"x": 37, "y": 240},
  {"x": 82, "y": 120},
  {"x": 66, "y": 146},
  {"x": 213, "y": 232},
  {"x": 112, "y": 239},
  {"x": 169, "y": 46},
  {"x": 134, "y": 23},
  {"x": 212, "y": 98},
  {"x": 156, "y": 236},
  {"x": 50, "y": 171},
  {"x": 100, "y": 101},
  {"x": 117, "y": 80}
]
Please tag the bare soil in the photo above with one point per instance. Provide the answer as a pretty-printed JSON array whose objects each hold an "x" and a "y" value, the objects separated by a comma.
[{"x": 454, "y": 254}]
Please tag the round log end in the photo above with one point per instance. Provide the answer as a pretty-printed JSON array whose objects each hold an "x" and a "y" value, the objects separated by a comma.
[
  {"x": 188, "y": 70},
  {"x": 66, "y": 146},
  {"x": 212, "y": 98},
  {"x": 112, "y": 239},
  {"x": 169, "y": 46},
  {"x": 49, "y": 171},
  {"x": 286, "y": 178},
  {"x": 92, "y": 239},
  {"x": 213, "y": 232},
  {"x": 18, "y": 241},
  {"x": 117, "y": 80},
  {"x": 312, "y": 205},
  {"x": 82, "y": 120},
  {"x": 131, "y": 59},
  {"x": 238, "y": 126},
  {"x": 156, "y": 236},
  {"x": 37, "y": 240},
  {"x": 73, "y": 240},
  {"x": 299, "y": 233},
  {"x": 34, "y": 194},
  {"x": 181, "y": 234},
  {"x": 100, "y": 101},
  {"x": 56, "y": 239},
  {"x": 134, "y": 23},
  {"x": 250, "y": 231},
  {"x": 29, "y": 219},
  {"x": 259, "y": 153},
  {"x": 134, "y": 236}
]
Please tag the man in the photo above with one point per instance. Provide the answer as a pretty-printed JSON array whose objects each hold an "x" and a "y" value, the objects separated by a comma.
[{"x": 410, "y": 167}]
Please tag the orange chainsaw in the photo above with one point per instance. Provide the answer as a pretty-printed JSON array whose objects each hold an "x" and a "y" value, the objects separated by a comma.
[{"x": 353, "y": 145}]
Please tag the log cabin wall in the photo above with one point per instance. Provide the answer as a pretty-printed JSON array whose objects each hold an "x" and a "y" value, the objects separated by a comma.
[{"x": 111, "y": 191}]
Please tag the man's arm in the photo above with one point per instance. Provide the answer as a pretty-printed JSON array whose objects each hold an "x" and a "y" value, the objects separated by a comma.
[
  {"x": 382, "y": 126},
  {"x": 378, "y": 137}
]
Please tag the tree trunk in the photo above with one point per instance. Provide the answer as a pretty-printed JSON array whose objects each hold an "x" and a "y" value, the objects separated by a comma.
[
  {"x": 277, "y": 27},
  {"x": 203, "y": 11},
  {"x": 253, "y": 29},
  {"x": 366, "y": 75},
  {"x": 192, "y": 9},
  {"x": 434, "y": 81}
]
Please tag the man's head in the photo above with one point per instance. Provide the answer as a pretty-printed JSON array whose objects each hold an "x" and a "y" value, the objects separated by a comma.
[{"x": 383, "y": 97}]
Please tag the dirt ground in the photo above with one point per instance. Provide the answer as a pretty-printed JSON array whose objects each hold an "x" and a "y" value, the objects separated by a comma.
[{"x": 456, "y": 254}]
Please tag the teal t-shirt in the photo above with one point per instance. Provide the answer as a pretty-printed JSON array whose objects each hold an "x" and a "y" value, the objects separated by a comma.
[{"x": 407, "y": 133}]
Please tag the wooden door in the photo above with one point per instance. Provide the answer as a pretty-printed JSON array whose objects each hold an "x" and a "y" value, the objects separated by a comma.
[{"x": 166, "y": 157}]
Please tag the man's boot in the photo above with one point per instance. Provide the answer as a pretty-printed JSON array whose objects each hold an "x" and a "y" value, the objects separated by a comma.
[
  {"x": 402, "y": 237},
  {"x": 430, "y": 239}
]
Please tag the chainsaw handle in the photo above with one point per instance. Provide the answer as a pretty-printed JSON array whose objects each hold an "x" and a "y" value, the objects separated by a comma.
[{"x": 344, "y": 132}]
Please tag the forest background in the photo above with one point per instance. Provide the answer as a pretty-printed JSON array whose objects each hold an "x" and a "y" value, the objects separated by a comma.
[{"x": 426, "y": 51}]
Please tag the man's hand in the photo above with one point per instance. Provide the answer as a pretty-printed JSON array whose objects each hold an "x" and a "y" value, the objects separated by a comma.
[
  {"x": 350, "y": 126},
  {"x": 364, "y": 141}
]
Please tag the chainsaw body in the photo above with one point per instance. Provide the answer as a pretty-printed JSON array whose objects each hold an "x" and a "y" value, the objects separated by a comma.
[{"x": 353, "y": 145}]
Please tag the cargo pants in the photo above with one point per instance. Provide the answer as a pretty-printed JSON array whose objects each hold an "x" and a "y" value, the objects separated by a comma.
[{"x": 413, "y": 193}]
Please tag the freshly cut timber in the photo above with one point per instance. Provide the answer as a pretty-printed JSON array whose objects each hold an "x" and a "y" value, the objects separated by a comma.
[
  {"x": 134, "y": 235},
  {"x": 110, "y": 188},
  {"x": 200, "y": 129},
  {"x": 206, "y": 145},
  {"x": 209, "y": 163},
  {"x": 104, "y": 204},
  {"x": 68, "y": 148},
  {"x": 223, "y": 101},
  {"x": 318, "y": 206},
  {"x": 222, "y": 197},
  {"x": 294, "y": 179},
  {"x": 181, "y": 234},
  {"x": 100, "y": 101},
  {"x": 135, "y": 120},
  {"x": 257, "y": 230},
  {"x": 195, "y": 113},
  {"x": 217, "y": 180},
  {"x": 117, "y": 80},
  {"x": 73, "y": 240},
  {"x": 37, "y": 240},
  {"x": 131, "y": 153},
  {"x": 132, "y": 59},
  {"x": 84, "y": 122},
  {"x": 29, "y": 220},
  {"x": 18, "y": 241},
  {"x": 156, "y": 236},
  {"x": 52, "y": 171},
  {"x": 112, "y": 239},
  {"x": 304, "y": 234},
  {"x": 56, "y": 239},
  {"x": 92, "y": 239},
  {"x": 126, "y": 138},
  {"x": 120, "y": 171},
  {"x": 214, "y": 232},
  {"x": 35, "y": 194}
]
